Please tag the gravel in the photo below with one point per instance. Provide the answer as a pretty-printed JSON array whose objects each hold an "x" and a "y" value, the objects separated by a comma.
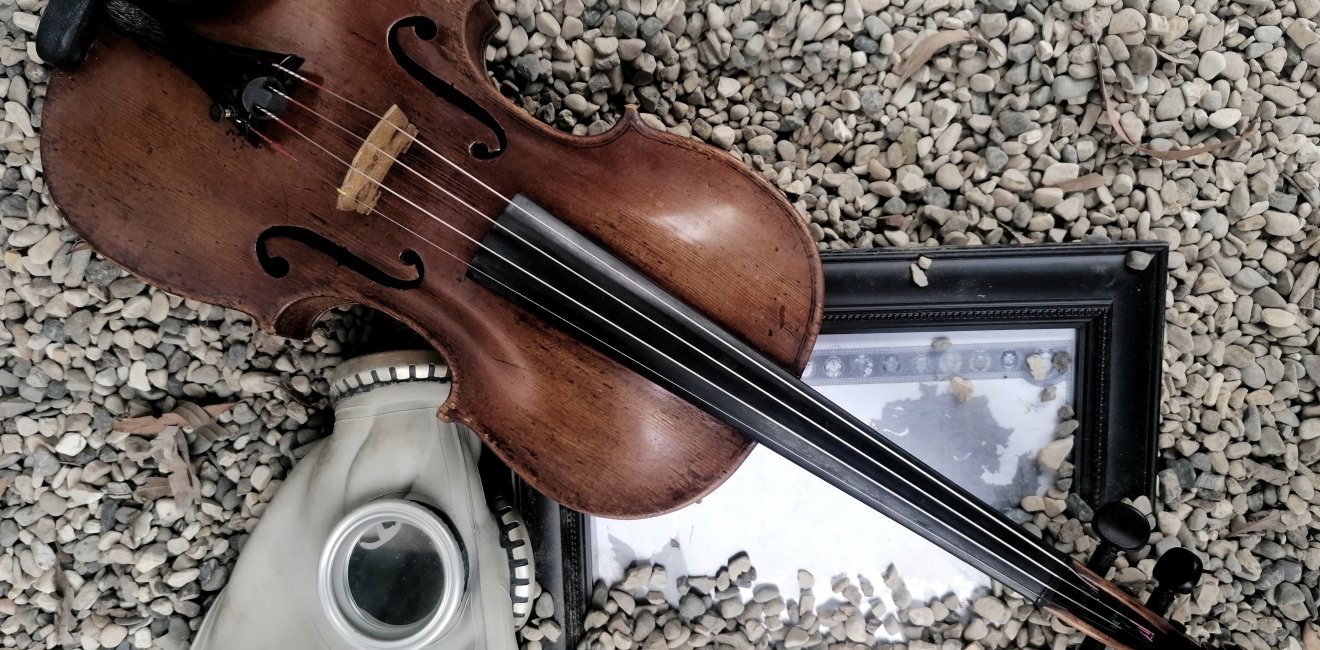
[{"x": 806, "y": 94}]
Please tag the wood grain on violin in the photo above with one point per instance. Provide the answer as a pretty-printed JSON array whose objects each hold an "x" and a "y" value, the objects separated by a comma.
[{"x": 157, "y": 187}]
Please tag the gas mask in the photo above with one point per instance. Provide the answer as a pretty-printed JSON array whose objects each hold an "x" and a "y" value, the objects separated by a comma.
[{"x": 381, "y": 537}]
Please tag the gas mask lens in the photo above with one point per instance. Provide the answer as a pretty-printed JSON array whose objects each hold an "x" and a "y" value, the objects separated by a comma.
[{"x": 392, "y": 575}]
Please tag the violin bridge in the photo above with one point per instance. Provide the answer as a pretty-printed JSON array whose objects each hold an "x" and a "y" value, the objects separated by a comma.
[{"x": 382, "y": 148}]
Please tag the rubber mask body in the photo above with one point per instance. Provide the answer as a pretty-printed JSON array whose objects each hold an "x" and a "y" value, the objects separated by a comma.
[{"x": 387, "y": 442}]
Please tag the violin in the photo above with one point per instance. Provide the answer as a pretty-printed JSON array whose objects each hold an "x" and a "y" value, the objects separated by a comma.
[{"x": 624, "y": 315}]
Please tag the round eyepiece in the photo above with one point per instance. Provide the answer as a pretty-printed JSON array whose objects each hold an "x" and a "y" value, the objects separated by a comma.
[{"x": 393, "y": 576}]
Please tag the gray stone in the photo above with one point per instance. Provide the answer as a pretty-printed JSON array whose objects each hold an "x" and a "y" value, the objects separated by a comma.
[
  {"x": 1068, "y": 88},
  {"x": 1282, "y": 201},
  {"x": 1127, "y": 21},
  {"x": 1212, "y": 63},
  {"x": 1014, "y": 123},
  {"x": 1292, "y": 602},
  {"x": 1143, "y": 60}
]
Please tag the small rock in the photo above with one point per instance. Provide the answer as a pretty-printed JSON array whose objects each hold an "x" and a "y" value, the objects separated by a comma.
[
  {"x": 112, "y": 635},
  {"x": 1127, "y": 21},
  {"x": 1212, "y": 63},
  {"x": 1052, "y": 455},
  {"x": 1278, "y": 317},
  {"x": 1138, "y": 260},
  {"x": 1225, "y": 117},
  {"x": 1068, "y": 88}
]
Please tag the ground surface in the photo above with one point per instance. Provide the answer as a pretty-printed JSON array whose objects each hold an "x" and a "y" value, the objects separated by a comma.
[{"x": 1005, "y": 135}]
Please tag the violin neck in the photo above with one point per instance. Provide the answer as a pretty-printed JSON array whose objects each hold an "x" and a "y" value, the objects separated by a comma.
[{"x": 536, "y": 261}]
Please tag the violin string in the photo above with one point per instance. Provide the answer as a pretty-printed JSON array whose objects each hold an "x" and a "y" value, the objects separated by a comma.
[
  {"x": 277, "y": 147},
  {"x": 478, "y": 212},
  {"x": 330, "y": 182},
  {"x": 911, "y": 524},
  {"x": 510, "y": 203}
]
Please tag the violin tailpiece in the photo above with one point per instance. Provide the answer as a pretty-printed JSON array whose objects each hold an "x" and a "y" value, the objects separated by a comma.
[{"x": 387, "y": 141}]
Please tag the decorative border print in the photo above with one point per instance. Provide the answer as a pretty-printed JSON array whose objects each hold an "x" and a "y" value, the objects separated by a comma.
[{"x": 917, "y": 364}]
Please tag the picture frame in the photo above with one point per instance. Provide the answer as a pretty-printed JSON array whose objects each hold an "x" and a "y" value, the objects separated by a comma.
[{"x": 1111, "y": 294}]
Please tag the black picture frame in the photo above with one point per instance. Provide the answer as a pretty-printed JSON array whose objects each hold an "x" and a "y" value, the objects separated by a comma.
[{"x": 1112, "y": 294}]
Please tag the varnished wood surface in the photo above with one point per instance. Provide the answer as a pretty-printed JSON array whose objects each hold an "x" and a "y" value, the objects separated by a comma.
[{"x": 180, "y": 201}]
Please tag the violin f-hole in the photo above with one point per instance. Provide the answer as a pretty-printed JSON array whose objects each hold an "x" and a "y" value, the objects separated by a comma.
[
  {"x": 278, "y": 267},
  {"x": 426, "y": 29}
]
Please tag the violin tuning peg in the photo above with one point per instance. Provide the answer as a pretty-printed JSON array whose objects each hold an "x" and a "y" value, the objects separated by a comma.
[
  {"x": 1120, "y": 527},
  {"x": 1176, "y": 573}
]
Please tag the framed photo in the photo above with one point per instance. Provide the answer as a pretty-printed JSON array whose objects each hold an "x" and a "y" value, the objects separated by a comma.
[{"x": 970, "y": 358}]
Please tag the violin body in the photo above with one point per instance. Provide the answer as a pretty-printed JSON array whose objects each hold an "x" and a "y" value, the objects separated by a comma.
[{"x": 191, "y": 207}]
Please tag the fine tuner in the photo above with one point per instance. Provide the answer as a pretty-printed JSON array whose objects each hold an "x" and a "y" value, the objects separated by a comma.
[
  {"x": 624, "y": 315},
  {"x": 1121, "y": 527}
]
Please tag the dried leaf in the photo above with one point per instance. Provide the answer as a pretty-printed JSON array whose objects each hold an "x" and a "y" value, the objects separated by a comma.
[
  {"x": 1268, "y": 522},
  {"x": 1087, "y": 182},
  {"x": 137, "y": 449},
  {"x": 176, "y": 463},
  {"x": 1184, "y": 154},
  {"x": 204, "y": 426},
  {"x": 187, "y": 414},
  {"x": 1166, "y": 55},
  {"x": 1310, "y": 637},
  {"x": 65, "y": 621},
  {"x": 155, "y": 487},
  {"x": 1111, "y": 112},
  {"x": 926, "y": 47},
  {"x": 1021, "y": 238},
  {"x": 170, "y": 449}
]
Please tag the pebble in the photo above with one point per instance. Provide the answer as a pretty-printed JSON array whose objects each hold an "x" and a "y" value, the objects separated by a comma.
[
  {"x": 1068, "y": 88},
  {"x": 112, "y": 635},
  {"x": 1059, "y": 172},
  {"x": 1014, "y": 123},
  {"x": 1052, "y": 455},
  {"x": 1225, "y": 118},
  {"x": 1278, "y": 317},
  {"x": 1212, "y": 63},
  {"x": 1292, "y": 602},
  {"x": 71, "y": 444},
  {"x": 1138, "y": 260},
  {"x": 1126, "y": 21}
]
